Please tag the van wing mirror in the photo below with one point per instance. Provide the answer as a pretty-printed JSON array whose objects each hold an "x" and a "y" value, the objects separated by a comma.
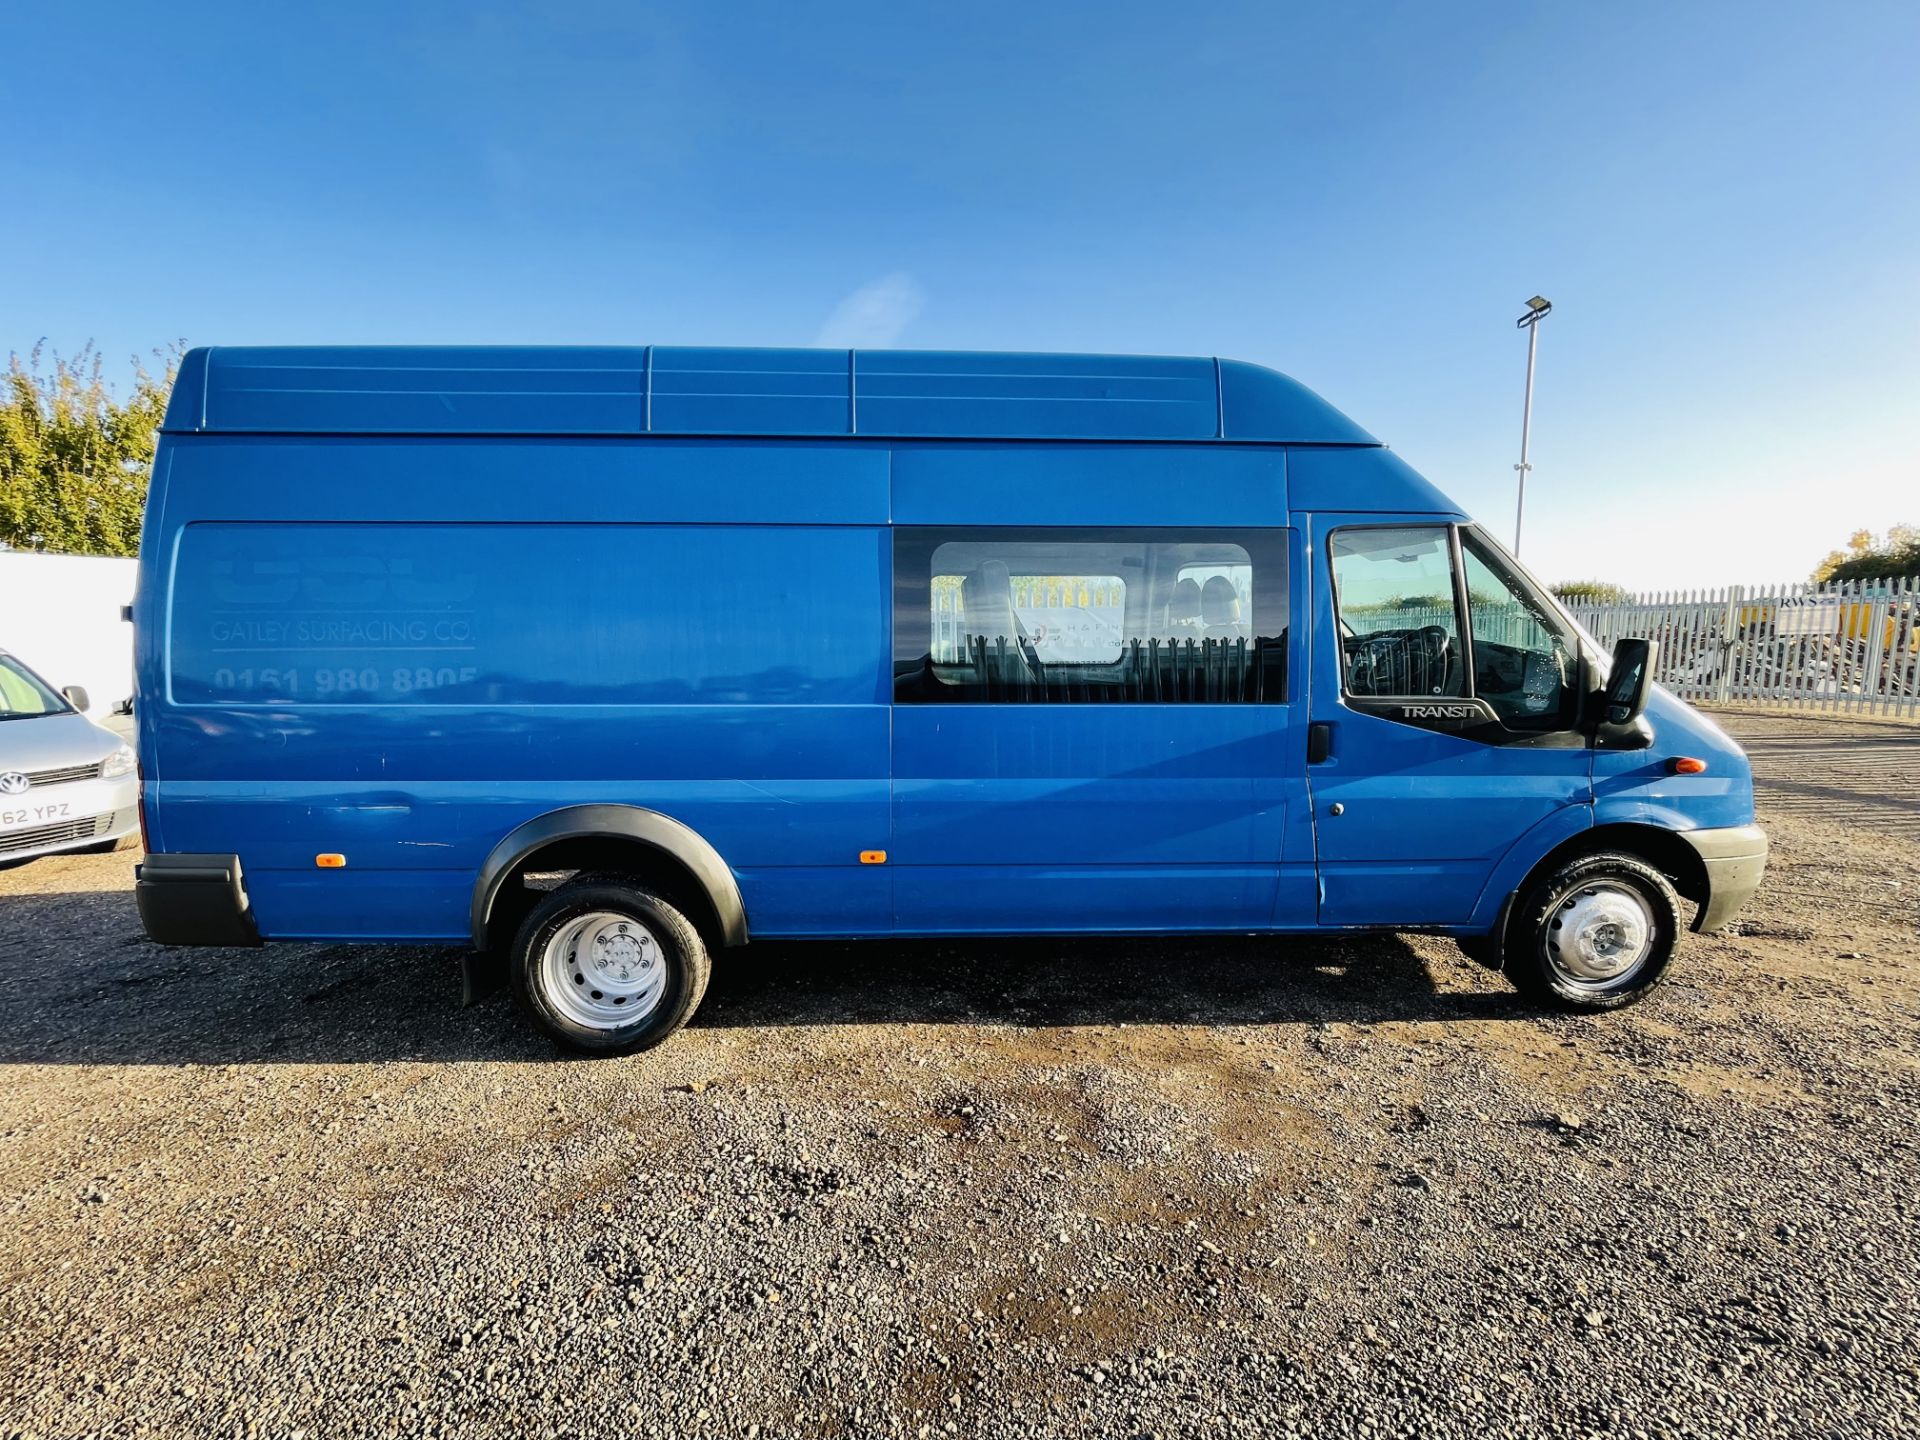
[
  {"x": 1630, "y": 680},
  {"x": 77, "y": 697}
]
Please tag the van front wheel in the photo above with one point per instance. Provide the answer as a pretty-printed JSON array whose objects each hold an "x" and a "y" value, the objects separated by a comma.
[
  {"x": 607, "y": 968},
  {"x": 1595, "y": 934}
]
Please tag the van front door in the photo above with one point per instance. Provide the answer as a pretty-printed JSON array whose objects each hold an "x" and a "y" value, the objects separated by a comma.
[
  {"x": 1092, "y": 730},
  {"x": 1445, "y": 704}
]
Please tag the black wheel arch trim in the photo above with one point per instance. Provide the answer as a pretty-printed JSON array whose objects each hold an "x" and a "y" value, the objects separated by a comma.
[{"x": 614, "y": 822}]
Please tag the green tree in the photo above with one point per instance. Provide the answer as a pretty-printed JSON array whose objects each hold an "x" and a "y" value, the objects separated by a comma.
[
  {"x": 74, "y": 458},
  {"x": 1591, "y": 592},
  {"x": 1869, "y": 558}
]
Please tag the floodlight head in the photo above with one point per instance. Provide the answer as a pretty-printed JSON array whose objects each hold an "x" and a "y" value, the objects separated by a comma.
[{"x": 1539, "y": 304}]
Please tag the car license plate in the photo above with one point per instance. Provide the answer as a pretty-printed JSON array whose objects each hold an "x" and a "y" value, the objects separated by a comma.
[{"x": 21, "y": 817}]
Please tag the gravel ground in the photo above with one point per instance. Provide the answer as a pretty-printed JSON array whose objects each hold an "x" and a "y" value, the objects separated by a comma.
[{"x": 1326, "y": 1187}]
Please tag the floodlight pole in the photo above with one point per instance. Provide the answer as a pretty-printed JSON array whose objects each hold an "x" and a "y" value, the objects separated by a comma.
[{"x": 1537, "y": 310}]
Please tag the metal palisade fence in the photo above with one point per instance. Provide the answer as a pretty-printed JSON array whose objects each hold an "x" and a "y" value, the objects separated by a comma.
[{"x": 1852, "y": 646}]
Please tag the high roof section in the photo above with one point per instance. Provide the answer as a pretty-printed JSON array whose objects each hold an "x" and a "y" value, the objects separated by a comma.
[{"x": 670, "y": 390}]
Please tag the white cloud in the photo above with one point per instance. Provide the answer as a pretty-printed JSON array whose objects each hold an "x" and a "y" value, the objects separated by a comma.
[{"x": 873, "y": 317}]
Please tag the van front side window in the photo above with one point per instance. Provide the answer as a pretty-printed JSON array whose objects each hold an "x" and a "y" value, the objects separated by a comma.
[
  {"x": 1399, "y": 626},
  {"x": 1524, "y": 658}
]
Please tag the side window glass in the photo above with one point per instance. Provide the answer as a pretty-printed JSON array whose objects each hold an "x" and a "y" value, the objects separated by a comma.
[
  {"x": 1399, "y": 628},
  {"x": 1090, "y": 617},
  {"x": 1065, "y": 619},
  {"x": 23, "y": 694},
  {"x": 1523, "y": 658},
  {"x": 1214, "y": 600}
]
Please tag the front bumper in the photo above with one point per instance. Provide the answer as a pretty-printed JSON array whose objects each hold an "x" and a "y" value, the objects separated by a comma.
[
  {"x": 32, "y": 842},
  {"x": 1735, "y": 859},
  {"x": 194, "y": 900}
]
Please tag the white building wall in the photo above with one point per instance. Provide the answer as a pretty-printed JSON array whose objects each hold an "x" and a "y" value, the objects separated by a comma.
[{"x": 61, "y": 614}]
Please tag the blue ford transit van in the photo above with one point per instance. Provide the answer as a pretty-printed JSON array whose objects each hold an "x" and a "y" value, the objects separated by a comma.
[{"x": 613, "y": 659}]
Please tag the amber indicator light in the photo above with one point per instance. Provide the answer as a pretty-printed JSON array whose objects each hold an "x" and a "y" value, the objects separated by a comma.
[
  {"x": 1686, "y": 765},
  {"x": 330, "y": 861},
  {"x": 873, "y": 857}
]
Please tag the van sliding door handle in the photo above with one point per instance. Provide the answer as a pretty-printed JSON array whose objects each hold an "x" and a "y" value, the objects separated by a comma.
[{"x": 1319, "y": 742}]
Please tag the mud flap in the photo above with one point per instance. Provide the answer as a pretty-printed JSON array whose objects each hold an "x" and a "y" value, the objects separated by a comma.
[{"x": 482, "y": 972}]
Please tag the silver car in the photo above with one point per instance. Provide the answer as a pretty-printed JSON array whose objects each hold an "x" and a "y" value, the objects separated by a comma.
[{"x": 65, "y": 782}]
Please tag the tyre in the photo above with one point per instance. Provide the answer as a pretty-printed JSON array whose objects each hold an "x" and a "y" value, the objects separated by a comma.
[
  {"x": 1595, "y": 934},
  {"x": 606, "y": 967}
]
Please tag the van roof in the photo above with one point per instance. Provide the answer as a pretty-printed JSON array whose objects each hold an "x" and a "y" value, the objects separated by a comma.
[{"x": 676, "y": 390}]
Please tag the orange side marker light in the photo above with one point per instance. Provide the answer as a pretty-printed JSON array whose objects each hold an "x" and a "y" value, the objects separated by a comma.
[
  {"x": 330, "y": 861},
  {"x": 1686, "y": 765},
  {"x": 873, "y": 857}
]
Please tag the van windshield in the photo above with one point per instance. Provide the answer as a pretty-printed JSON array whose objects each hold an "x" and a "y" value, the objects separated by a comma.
[{"x": 24, "y": 695}]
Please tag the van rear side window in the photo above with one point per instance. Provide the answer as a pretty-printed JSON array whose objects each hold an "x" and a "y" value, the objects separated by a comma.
[{"x": 1080, "y": 616}]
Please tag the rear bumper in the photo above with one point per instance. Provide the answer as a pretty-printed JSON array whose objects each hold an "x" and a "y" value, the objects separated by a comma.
[
  {"x": 1735, "y": 860},
  {"x": 194, "y": 900}
]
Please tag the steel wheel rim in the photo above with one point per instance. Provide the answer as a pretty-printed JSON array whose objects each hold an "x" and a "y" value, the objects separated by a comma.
[
  {"x": 604, "y": 970},
  {"x": 1599, "y": 936}
]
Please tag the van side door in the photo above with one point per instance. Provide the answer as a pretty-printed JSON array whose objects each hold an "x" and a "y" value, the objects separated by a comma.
[
  {"x": 1446, "y": 708},
  {"x": 1094, "y": 723}
]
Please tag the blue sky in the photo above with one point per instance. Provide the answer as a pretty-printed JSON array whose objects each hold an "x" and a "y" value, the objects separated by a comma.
[{"x": 1722, "y": 201}]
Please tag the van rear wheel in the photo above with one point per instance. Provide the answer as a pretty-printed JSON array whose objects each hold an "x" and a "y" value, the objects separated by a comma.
[
  {"x": 607, "y": 968},
  {"x": 1595, "y": 934}
]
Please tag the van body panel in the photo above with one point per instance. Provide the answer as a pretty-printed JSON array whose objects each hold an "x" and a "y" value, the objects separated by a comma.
[
  {"x": 1355, "y": 481},
  {"x": 1189, "y": 801},
  {"x": 1417, "y": 839},
  {"x": 440, "y": 832},
  {"x": 421, "y": 907},
  {"x": 1253, "y": 404},
  {"x": 1131, "y": 485},
  {"x": 746, "y": 392},
  {"x": 1084, "y": 900},
  {"x": 422, "y": 616},
  {"x": 563, "y": 480},
  {"x": 1634, "y": 785},
  {"x": 675, "y": 390},
  {"x": 1068, "y": 397},
  {"x": 1089, "y": 815},
  {"x": 426, "y": 825},
  {"x": 1522, "y": 856},
  {"x": 406, "y": 693},
  {"x": 448, "y": 389}
]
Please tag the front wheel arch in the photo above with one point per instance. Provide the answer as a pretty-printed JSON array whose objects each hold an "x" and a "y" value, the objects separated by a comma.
[{"x": 1660, "y": 847}]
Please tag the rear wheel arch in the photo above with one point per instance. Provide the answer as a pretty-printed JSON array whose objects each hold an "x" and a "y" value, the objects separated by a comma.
[{"x": 671, "y": 857}]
